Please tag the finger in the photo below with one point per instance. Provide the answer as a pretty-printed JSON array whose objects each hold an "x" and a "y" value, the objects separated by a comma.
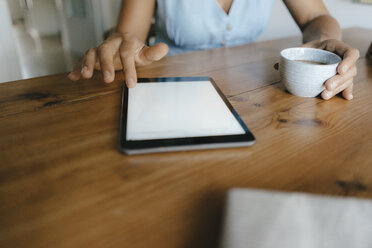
[
  {"x": 337, "y": 80},
  {"x": 114, "y": 42},
  {"x": 348, "y": 92},
  {"x": 349, "y": 59},
  {"x": 148, "y": 55},
  {"x": 130, "y": 72},
  {"x": 329, "y": 94},
  {"x": 88, "y": 63},
  {"x": 76, "y": 72},
  {"x": 349, "y": 55},
  {"x": 118, "y": 63},
  {"x": 129, "y": 66},
  {"x": 106, "y": 58}
]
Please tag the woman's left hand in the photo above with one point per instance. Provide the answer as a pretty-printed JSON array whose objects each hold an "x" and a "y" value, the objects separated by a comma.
[{"x": 346, "y": 70}]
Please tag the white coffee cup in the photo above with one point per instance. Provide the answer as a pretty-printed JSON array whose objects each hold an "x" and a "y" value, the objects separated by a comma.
[{"x": 303, "y": 71}]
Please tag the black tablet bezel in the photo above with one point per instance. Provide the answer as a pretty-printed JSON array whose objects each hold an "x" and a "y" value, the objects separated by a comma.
[{"x": 127, "y": 145}]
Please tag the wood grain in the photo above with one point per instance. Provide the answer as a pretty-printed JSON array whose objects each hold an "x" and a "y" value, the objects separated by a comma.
[{"x": 63, "y": 182}]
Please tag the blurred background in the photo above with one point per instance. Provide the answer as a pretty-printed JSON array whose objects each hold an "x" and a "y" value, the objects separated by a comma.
[{"x": 43, "y": 37}]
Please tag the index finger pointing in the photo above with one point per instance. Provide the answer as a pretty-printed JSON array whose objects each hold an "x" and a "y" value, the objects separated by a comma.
[{"x": 128, "y": 62}]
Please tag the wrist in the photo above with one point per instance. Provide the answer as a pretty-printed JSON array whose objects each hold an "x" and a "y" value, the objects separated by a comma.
[{"x": 322, "y": 28}]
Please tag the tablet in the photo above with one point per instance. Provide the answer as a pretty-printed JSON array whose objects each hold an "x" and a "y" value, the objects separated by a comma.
[{"x": 182, "y": 113}]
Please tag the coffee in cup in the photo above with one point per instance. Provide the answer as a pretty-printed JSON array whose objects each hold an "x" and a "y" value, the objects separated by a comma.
[
  {"x": 303, "y": 71},
  {"x": 310, "y": 62}
]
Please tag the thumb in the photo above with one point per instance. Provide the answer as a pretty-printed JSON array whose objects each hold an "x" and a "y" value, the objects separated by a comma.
[{"x": 148, "y": 55}]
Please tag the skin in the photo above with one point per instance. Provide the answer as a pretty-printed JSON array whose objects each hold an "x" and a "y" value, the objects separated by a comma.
[
  {"x": 320, "y": 30},
  {"x": 126, "y": 48}
]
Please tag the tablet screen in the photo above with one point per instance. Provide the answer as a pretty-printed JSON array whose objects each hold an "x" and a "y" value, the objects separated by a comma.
[{"x": 178, "y": 110}]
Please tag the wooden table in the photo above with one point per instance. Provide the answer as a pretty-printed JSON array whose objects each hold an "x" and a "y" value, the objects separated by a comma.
[{"x": 64, "y": 183}]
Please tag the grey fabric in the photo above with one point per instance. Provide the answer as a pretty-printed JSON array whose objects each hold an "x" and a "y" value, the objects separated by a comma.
[{"x": 265, "y": 219}]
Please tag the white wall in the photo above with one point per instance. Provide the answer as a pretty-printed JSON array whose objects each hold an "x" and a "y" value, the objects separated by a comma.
[
  {"x": 15, "y": 9},
  {"x": 348, "y": 13},
  {"x": 79, "y": 33},
  {"x": 43, "y": 17},
  {"x": 9, "y": 63},
  {"x": 110, "y": 13}
]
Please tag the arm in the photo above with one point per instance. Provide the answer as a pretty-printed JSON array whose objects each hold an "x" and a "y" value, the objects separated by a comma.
[
  {"x": 320, "y": 30},
  {"x": 135, "y": 18},
  {"x": 125, "y": 49},
  {"x": 314, "y": 20}
]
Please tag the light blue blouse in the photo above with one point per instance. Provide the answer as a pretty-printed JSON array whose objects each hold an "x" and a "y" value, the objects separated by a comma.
[{"x": 189, "y": 25}]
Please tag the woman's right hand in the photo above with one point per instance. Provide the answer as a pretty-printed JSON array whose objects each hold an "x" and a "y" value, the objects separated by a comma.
[{"x": 118, "y": 52}]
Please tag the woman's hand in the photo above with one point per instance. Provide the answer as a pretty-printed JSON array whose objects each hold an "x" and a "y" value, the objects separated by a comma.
[
  {"x": 119, "y": 51},
  {"x": 346, "y": 70}
]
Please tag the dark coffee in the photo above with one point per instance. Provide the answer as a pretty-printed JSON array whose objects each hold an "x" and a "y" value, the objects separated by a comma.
[{"x": 311, "y": 62}]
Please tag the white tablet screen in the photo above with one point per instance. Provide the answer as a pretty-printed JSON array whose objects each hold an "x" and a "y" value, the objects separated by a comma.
[{"x": 178, "y": 110}]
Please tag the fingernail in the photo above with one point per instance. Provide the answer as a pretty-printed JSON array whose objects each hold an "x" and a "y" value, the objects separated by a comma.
[
  {"x": 351, "y": 96},
  {"x": 84, "y": 69},
  {"x": 327, "y": 95},
  {"x": 130, "y": 82},
  {"x": 106, "y": 74}
]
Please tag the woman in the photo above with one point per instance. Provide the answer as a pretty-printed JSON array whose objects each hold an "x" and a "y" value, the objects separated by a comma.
[{"x": 187, "y": 25}]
